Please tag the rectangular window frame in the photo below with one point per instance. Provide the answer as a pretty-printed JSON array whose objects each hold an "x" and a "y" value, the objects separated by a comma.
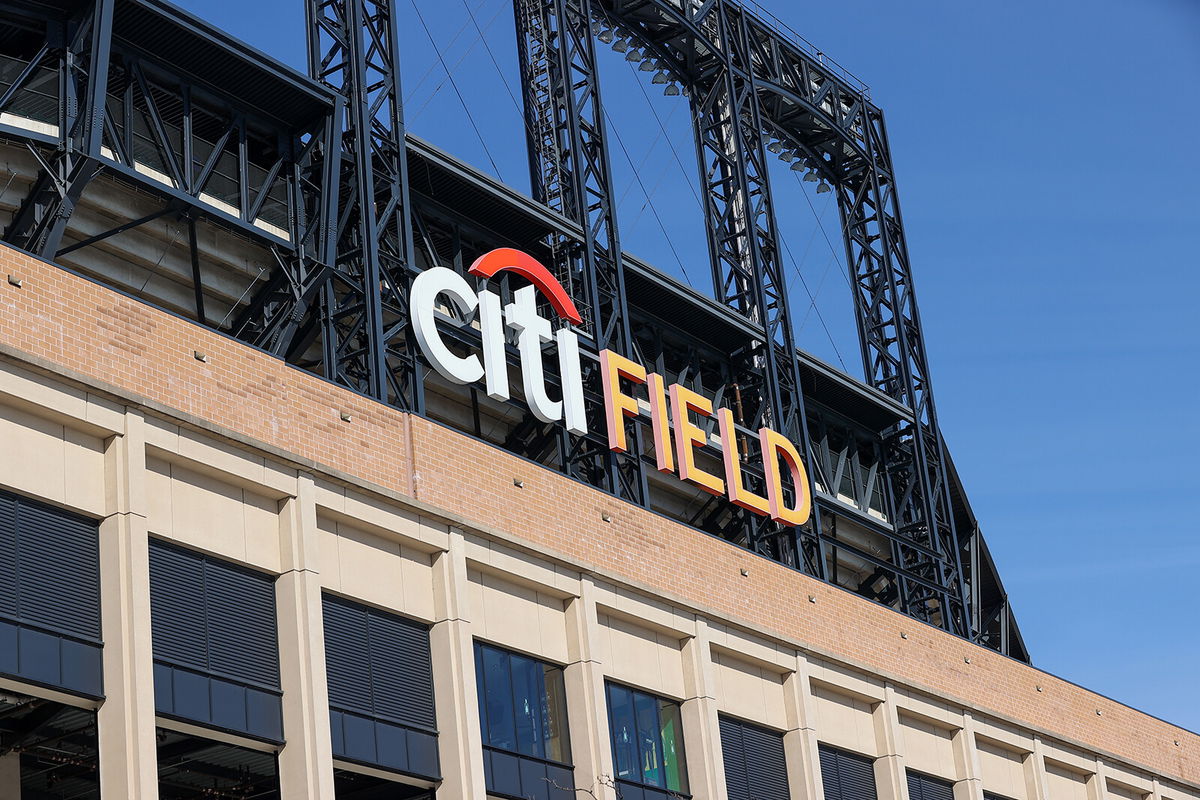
[
  {"x": 553, "y": 701},
  {"x": 660, "y": 750}
]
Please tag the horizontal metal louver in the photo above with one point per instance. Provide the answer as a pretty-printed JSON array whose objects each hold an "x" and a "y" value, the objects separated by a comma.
[
  {"x": 378, "y": 663},
  {"x": 845, "y": 775},
  {"x": 177, "y": 616},
  {"x": 926, "y": 787},
  {"x": 242, "y": 630},
  {"x": 8, "y": 556},
  {"x": 213, "y": 616},
  {"x": 49, "y": 568},
  {"x": 755, "y": 764}
]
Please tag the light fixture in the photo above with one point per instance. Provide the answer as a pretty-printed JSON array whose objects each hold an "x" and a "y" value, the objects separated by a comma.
[
  {"x": 660, "y": 77},
  {"x": 811, "y": 177},
  {"x": 633, "y": 55},
  {"x": 620, "y": 45},
  {"x": 647, "y": 66},
  {"x": 798, "y": 165},
  {"x": 775, "y": 147},
  {"x": 823, "y": 188},
  {"x": 606, "y": 36},
  {"x": 672, "y": 91}
]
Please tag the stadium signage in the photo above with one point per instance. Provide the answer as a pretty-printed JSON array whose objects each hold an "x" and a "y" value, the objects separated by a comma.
[{"x": 671, "y": 409}]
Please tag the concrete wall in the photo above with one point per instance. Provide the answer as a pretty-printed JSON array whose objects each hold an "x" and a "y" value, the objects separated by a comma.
[{"x": 108, "y": 413}]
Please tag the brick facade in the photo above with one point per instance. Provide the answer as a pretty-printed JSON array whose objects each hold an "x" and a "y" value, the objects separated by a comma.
[{"x": 144, "y": 356}]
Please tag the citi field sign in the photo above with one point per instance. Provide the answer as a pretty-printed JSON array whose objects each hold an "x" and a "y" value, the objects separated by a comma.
[{"x": 676, "y": 435}]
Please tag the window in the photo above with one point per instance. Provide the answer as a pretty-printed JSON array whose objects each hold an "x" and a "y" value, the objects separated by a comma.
[
  {"x": 755, "y": 766},
  {"x": 846, "y": 776},
  {"x": 522, "y": 704},
  {"x": 647, "y": 739},
  {"x": 523, "y": 715}
]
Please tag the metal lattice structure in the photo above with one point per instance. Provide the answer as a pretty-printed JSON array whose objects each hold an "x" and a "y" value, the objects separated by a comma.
[{"x": 332, "y": 209}]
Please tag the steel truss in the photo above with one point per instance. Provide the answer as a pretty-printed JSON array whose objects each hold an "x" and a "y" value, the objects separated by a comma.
[
  {"x": 330, "y": 200},
  {"x": 569, "y": 171},
  {"x": 352, "y": 48},
  {"x": 729, "y": 59},
  {"x": 125, "y": 115},
  {"x": 80, "y": 45}
]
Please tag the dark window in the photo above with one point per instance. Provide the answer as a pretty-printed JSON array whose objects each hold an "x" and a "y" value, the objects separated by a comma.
[
  {"x": 647, "y": 739},
  {"x": 522, "y": 706},
  {"x": 926, "y": 787},
  {"x": 216, "y": 649},
  {"x": 755, "y": 767},
  {"x": 194, "y": 767},
  {"x": 49, "y": 749},
  {"x": 523, "y": 717},
  {"x": 380, "y": 688},
  {"x": 846, "y": 776},
  {"x": 49, "y": 596}
]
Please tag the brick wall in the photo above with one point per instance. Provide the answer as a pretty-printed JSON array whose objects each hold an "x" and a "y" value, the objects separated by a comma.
[{"x": 146, "y": 354}]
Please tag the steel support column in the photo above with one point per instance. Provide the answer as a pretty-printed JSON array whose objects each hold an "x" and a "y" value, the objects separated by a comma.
[
  {"x": 744, "y": 250},
  {"x": 353, "y": 49},
  {"x": 569, "y": 172},
  {"x": 894, "y": 359}
]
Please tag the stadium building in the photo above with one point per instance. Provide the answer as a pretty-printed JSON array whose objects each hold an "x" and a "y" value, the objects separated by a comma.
[{"x": 334, "y": 468}]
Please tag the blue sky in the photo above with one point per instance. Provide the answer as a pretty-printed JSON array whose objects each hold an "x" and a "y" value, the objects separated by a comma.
[{"x": 1049, "y": 177}]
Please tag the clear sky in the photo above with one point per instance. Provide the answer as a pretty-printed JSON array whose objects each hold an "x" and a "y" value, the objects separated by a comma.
[{"x": 1049, "y": 173}]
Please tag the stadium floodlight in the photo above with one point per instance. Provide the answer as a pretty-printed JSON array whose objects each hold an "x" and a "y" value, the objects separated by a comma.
[
  {"x": 822, "y": 188},
  {"x": 811, "y": 177},
  {"x": 660, "y": 77},
  {"x": 671, "y": 91}
]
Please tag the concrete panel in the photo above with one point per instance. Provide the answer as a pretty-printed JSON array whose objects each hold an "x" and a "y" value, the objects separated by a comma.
[
  {"x": 640, "y": 656},
  {"x": 376, "y": 569},
  {"x": 749, "y": 691},
  {"x": 1002, "y": 769},
  {"x": 206, "y": 513},
  {"x": 1065, "y": 784},
  {"x": 47, "y": 460},
  {"x": 517, "y": 615},
  {"x": 927, "y": 747},
  {"x": 843, "y": 721}
]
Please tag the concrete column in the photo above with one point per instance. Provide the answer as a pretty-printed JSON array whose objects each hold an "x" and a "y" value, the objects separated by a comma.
[
  {"x": 1097, "y": 787},
  {"x": 127, "y": 745},
  {"x": 891, "y": 780},
  {"x": 800, "y": 740},
  {"x": 967, "y": 768},
  {"x": 1155, "y": 789},
  {"x": 1035, "y": 773},
  {"x": 306, "y": 761},
  {"x": 587, "y": 708},
  {"x": 460, "y": 742},
  {"x": 701, "y": 728},
  {"x": 10, "y": 776}
]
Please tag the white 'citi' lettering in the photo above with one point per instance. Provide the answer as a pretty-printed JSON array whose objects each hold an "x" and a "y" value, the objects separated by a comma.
[{"x": 533, "y": 333}]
